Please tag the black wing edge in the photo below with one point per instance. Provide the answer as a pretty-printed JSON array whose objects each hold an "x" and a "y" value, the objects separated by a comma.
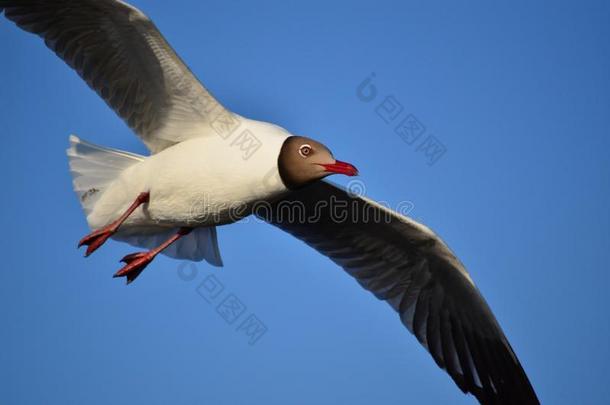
[{"x": 470, "y": 347}]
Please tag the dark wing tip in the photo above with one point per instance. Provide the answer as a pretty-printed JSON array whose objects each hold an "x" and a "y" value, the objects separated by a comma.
[
  {"x": 464, "y": 339},
  {"x": 485, "y": 364}
]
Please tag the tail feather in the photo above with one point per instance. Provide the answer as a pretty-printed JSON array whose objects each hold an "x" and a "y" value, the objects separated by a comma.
[{"x": 94, "y": 168}]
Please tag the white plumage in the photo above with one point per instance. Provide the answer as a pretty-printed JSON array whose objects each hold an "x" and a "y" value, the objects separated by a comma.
[{"x": 200, "y": 183}]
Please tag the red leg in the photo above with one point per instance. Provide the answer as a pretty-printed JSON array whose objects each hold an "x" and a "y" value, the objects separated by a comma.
[
  {"x": 135, "y": 263},
  {"x": 98, "y": 238}
]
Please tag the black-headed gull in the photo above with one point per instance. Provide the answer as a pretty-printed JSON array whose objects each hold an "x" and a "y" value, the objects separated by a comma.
[{"x": 196, "y": 178}]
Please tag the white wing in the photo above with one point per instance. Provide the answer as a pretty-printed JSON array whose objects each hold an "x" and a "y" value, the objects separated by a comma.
[
  {"x": 407, "y": 265},
  {"x": 120, "y": 53}
]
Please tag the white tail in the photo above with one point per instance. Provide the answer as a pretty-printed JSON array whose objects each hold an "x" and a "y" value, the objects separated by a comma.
[{"x": 95, "y": 167}]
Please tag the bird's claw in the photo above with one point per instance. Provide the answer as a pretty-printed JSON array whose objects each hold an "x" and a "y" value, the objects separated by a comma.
[
  {"x": 96, "y": 239},
  {"x": 135, "y": 263}
]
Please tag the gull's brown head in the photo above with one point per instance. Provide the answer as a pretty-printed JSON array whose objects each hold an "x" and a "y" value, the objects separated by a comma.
[{"x": 303, "y": 161}]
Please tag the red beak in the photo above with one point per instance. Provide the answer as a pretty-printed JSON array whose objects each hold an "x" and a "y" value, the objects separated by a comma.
[{"x": 340, "y": 167}]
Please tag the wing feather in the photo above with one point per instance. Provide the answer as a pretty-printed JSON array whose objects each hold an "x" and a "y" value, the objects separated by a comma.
[
  {"x": 406, "y": 264},
  {"x": 121, "y": 55}
]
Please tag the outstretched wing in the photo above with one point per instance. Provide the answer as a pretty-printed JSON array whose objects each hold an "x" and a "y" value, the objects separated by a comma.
[
  {"x": 120, "y": 53},
  {"x": 407, "y": 265}
]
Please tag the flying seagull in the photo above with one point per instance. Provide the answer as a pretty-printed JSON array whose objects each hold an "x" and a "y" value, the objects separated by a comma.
[{"x": 210, "y": 167}]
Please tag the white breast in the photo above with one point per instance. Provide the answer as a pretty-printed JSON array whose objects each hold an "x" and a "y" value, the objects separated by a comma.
[{"x": 203, "y": 181}]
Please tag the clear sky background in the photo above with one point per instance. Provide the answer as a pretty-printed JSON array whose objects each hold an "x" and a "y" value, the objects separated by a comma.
[{"x": 517, "y": 92}]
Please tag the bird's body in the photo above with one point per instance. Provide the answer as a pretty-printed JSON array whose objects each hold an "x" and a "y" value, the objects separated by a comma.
[
  {"x": 204, "y": 181},
  {"x": 209, "y": 166}
]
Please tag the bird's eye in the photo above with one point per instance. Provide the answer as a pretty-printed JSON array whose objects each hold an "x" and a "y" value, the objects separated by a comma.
[{"x": 305, "y": 150}]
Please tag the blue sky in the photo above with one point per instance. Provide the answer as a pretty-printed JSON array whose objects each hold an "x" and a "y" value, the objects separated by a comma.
[{"x": 518, "y": 93}]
